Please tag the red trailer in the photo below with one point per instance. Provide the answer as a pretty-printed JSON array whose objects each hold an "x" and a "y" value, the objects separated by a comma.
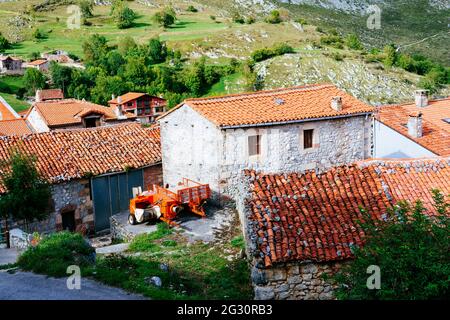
[{"x": 164, "y": 204}]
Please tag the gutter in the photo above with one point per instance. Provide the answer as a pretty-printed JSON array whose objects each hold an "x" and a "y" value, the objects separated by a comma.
[{"x": 294, "y": 121}]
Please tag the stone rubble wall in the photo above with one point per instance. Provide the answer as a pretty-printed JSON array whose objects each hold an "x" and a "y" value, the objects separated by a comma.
[{"x": 294, "y": 281}]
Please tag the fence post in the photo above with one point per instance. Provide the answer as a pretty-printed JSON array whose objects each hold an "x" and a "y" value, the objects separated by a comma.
[{"x": 8, "y": 244}]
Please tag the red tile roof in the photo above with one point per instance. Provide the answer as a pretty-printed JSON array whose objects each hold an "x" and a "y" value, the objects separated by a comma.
[
  {"x": 128, "y": 97},
  {"x": 50, "y": 94},
  {"x": 37, "y": 62},
  {"x": 436, "y": 132},
  {"x": 71, "y": 154},
  {"x": 69, "y": 111},
  {"x": 274, "y": 106},
  {"x": 14, "y": 127},
  {"x": 313, "y": 216}
]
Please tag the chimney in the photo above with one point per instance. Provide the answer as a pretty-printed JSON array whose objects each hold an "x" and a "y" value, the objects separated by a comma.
[
  {"x": 38, "y": 95},
  {"x": 336, "y": 103},
  {"x": 119, "y": 100},
  {"x": 415, "y": 125},
  {"x": 119, "y": 112},
  {"x": 113, "y": 96},
  {"x": 421, "y": 97}
]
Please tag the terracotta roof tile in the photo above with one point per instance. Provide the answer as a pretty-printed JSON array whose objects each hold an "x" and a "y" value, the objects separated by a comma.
[
  {"x": 69, "y": 111},
  {"x": 313, "y": 215},
  {"x": 436, "y": 132},
  {"x": 128, "y": 97},
  {"x": 37, "y": 62},
  {"x": 14, "y": 127},
  {"x": 50, "y": 94},
  {"x": 280, "y": 105},
  {"x": 6, "y": 113},
  {"x": 71, "y": 154}
]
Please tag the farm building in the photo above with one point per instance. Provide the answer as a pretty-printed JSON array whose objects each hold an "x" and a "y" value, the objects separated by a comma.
[
  {"x": 42, "y": 65},
  {"x": 91, "y": 171},
  {"x": 413, "y": 130},
  {"x": 11, "y": 65},
  {"x": 144, "y": 106},
  {"x": 299, "y": 226},
  {"x": 213, "y": 139},
  {"x": 72, "y": 113}
]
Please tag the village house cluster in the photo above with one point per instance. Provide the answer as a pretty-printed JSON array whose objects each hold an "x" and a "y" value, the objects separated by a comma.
[{"x": 298, "y": 162}]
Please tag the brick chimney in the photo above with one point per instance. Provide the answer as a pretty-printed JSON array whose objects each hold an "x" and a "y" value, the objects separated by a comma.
[
  {"x": 415, "y": 125},
  {"x": 336, "y": 103},
  {"x": 421, "y": 97}
]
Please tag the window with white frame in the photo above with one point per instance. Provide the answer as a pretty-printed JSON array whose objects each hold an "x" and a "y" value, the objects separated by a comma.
[{"x": 254, "y": 145}]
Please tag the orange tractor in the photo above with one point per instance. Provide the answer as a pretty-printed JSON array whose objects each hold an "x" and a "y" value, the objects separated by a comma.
[{"x": 164, "y": 204}]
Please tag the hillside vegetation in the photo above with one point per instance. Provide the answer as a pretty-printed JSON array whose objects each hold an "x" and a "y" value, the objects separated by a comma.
[{"x": 226, "y": 33}]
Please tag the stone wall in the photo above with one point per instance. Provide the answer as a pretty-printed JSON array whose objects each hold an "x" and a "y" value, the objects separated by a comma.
[
  {"x": 295, "y": 281},
  {"x": 153, "y": 175},
  {"x": 195, "y": 148},
  {"x": 68, "y": 196}
]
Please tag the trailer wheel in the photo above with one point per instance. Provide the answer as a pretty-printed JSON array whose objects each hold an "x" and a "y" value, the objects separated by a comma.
[{"x": 132, "y": 219}]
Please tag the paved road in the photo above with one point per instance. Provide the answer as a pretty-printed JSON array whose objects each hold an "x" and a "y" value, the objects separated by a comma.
[
  {"x": 8, "y": 256},
  {"x": 30, "y": 286}
]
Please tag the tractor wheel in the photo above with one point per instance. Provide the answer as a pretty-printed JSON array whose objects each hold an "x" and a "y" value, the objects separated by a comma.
[{"x": 132, "y": 219}]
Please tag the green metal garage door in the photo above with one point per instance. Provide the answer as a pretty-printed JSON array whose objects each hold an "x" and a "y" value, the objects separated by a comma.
[{"x": 112, "y": 193}]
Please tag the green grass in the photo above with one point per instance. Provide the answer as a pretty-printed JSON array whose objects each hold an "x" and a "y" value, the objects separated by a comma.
[
  {"x": 16, "y": 104},
  {"x": 232, "y": 83}
]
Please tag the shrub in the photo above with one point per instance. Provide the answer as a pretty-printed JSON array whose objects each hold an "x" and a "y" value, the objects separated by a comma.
[
  {"x": 274, "y": 17},
  {"x": 301, "y": 21},
  {"x": 56, "y": 252},
  {"x": 191, "y": 8},
  {"x": 267, "y": 53},
  {"x": 4, "y": 43},
  {"x": 411, "y": 250},
  {"x": 166, "y": 17},
  {"x": 335, "y": 41},
  {"x": 250, "y": 20},
  {"x": 237, "y": 18},
  {"x": 352, "y": 42}
]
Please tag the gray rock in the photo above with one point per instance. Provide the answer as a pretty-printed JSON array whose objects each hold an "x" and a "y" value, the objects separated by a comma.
[
  {"x": 258, "y": 276},
  {"x": 309, "y": 268},
  {"x": 156, "y": 281},
  {"x": 326, "y": 296},
  {"x": 164, "y": 267},
  {"x": 284, "y": 287},
  {"x": 284, "y": 295},
  {"x": 294, "y": 279},
  {"x": 264, "y": 293}
]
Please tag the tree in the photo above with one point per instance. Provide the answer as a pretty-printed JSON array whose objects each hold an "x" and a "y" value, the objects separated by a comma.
[
  {"x": 166, "y": 17},
  {"x": 411, "y": 250},
  {"x": 34, "y": 80},
  {"x": 157, "y": 51},
  {"x": 4, "y": 43},
  {"x": 390, "y": 55},
  {"x": 125, "y": 45},
  {"x": 352, "y": 41},
  {"x": 122, "y": 14},
  {"x": 95, "y": 48},
  {"x": 38, "y": 34},
  {"x": 86, "y": 7},
  {"x": 274, "y": 17},
  {"x": 27, "y": 193},
  {"x": 61, "y": 76}
]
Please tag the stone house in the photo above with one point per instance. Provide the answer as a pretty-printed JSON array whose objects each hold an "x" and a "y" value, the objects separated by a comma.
[
  {"x": 213, "y": 139},
  {"x": 11, "y": 65},
  {"x": 299, "y": 226},
  {"x": 50, "y": 115},
  {"x": 145, "y": 107},
  {"x": 49, "y": 94},
  {"x": 413, "y": 130},
  {"x": 92, "y": 171},
  {"x": 42, "y": 65}
]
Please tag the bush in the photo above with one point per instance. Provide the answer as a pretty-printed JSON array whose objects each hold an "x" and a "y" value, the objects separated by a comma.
[
  {"x": 352, "y": 42},
  {"x": 301, "y": 21},
  {"x": 191, "y": 9},
  {"x": 237, "y": 18},
  {"x": 411, "y": 250},
  {"x": 4, "y": 43},
  {"x": 56, "y": 252},
  {"x": 267, "y": 53},
  {"x": 250, "y": 20},
  {"x": 332, "y": 40},
  {"x": 123, "y": 15},
  {"x": 165, "y": 18},
  {"x": 274, "y": 17}
]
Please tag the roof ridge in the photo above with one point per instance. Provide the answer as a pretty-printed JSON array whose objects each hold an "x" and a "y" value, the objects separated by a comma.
[
  {"x": 265, "y": 92},
  {"x": 410, "y": 103}
]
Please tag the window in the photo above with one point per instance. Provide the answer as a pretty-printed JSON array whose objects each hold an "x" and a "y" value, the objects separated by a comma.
[
  {"x": 90, "y": 122},
  {"x": 254, "y": 145},
  {"x": 308, "y": 138},
  {"x": 140, "y": 111},
  {"x": 129, "y": 104}
]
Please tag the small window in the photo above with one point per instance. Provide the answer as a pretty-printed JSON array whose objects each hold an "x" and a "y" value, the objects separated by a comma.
[
  {"x": 254, "y": 145},
  {"x": 129, "y": 104},
  {"x": 308, "y": 138}
]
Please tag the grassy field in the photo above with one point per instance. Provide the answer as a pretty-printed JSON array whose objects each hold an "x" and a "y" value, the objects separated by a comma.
[{"x": 9, "y": 86}]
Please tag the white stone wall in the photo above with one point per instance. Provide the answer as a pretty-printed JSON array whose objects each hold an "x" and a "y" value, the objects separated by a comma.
[
  {"x": 195, "y": 148},
  {"x": 191, "y": 146},
  {"x": 36, "y": 121},
  {"x": 335, "y": 142}
]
